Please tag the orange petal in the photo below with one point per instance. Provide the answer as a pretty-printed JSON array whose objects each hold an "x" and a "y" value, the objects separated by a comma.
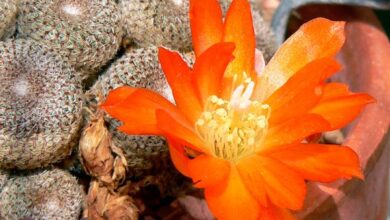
[
  {"x": 271, "y": 212},
  {"x": 340, "y": 111},
  {"x": 128, "y": 114},
  {"x": 179, "y": 77},
  {"x": 137, "y": 119},
  {"x": 250, "y": 174},
  {"x": 206, "y": 24},
  {"x": 299, "y": 93},
  {"x": 320, "y": 162},
  {"x": 210, "y": 67},
  {"x": 178, "y": 157},
  {"x": 239, "y": 30},
  {"x": 294, "y": 130},
  {"x": 118, "y": 95},
  {"x": 172, "y": 64},
  {"x": 179, "y": 129},
  {"x": 230, "y": 200},
  {"x": 333, "y": 90},
  {"x": 148, "y": 99},
  {"x": 138, "y": 111},
  {"x": 316, "y": 39},
  {"x": 284, "y": 186},
  {"x": 208, "y": 171}
]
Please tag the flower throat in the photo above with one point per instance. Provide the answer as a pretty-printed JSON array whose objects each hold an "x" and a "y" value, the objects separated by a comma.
[{"x": 233, "y": 128}]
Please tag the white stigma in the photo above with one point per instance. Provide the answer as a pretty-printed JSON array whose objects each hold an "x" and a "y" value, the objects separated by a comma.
[
  {"x": 240, "y": 98},
  {"x": 71, "y": 9}
]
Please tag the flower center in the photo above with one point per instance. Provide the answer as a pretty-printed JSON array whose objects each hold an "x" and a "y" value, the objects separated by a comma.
[{"x": 233, "y": 128}]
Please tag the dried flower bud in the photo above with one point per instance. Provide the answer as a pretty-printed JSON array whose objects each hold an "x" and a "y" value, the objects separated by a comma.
[
  {"x": 100, "y": 158},
  {"x": 95, "y": 149},
  {"x": 120, "y": 164},
  {"x": 105, "y": 204}
]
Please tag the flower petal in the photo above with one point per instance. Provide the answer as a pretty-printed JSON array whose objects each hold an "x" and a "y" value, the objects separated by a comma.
[
  {"x": 136, "y": 120},
  {"x": 340, "y": 111},
  {"x": 149, "y": 99},
  {"x": 316, "y": 39},
  {"x": 138, "y": 112},
  {"x": 230, "y": 200},
  {"x": 136, "y": 108},
  {"x": 206, "y": 24},
  {"x": 180, "y": 130},
  {"x": 284, "y": 186},
  {"x": 300, "y": 92},
  {"x": 178, "y": 157},
  {"x": 210, "y": 67},
  {"x": 207, "y": 171},
  {"x": 294, "y": 130},
  {"x": 179, "y": 77},
  {"x": 172, "y": 64},
  {"x": 239, "y": 30},
  {"x": 118, "y": 95},
  {"x": 320, "y": 162},
  {"x": 333, "y": 90},
  {"x": 253, "y": 180},
  {"x": 272, "y": 212}
]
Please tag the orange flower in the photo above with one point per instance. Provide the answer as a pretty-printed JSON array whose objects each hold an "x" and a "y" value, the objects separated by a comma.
[{"x": 239, "y": 133}]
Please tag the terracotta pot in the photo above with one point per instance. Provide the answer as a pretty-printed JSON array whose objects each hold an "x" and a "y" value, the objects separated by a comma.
[{"x": 365, "y": 57}]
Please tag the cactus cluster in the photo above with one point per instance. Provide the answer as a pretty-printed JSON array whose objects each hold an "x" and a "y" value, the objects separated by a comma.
[{"x": 59, "y": 59}]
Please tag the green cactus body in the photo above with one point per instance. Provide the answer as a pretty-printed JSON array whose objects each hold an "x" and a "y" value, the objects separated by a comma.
[
  {"x": 42, "y": 194},
  {"x": 157, "y": 23},
  {"x": 8, "y": 12},
  {"x": 3, "y": 179},
  {"x": 40, "y": 105},
  {"x": 87, "y": 32}
]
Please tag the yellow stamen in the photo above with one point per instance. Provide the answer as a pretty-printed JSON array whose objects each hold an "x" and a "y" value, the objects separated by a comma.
[{"x": 234, "y": 128}]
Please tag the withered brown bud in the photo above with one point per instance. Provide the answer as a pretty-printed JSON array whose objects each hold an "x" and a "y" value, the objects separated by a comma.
[
  {"x": 99, "y": 156},
  {"x": 120, "y": 164},
  {"x": 104, "y": 204},
  {"x": 95, "y": 149}
]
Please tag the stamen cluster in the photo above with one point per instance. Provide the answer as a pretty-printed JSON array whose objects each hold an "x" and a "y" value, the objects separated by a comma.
[{"x": 230, "y": 132}]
